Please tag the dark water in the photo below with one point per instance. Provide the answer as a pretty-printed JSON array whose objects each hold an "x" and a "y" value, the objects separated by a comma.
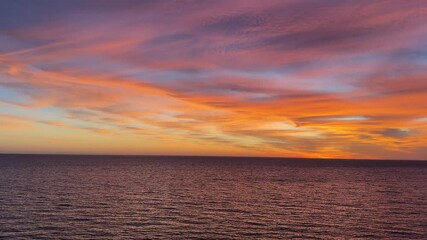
[{"x": 89, "y": 197}]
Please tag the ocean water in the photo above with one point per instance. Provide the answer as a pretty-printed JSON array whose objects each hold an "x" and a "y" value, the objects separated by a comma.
[{"x": 116, "y": 197}]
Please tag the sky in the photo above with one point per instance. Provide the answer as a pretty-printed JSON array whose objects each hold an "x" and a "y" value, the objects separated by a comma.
[{"x": 294, "y": 78}]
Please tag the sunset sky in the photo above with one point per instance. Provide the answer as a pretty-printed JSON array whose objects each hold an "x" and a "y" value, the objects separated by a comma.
[{"x": 329, "y": 79}]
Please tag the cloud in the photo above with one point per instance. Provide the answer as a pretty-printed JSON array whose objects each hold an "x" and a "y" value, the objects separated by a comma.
[
  {"x": 300, "y": 78},
  {"x": 397, "y": 133}
]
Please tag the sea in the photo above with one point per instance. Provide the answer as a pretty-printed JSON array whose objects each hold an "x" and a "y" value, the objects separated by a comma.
[{"x": 178, "y": 197}]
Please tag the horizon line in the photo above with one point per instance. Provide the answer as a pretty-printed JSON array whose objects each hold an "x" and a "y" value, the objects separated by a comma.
[{"x": 211, "y": 156}]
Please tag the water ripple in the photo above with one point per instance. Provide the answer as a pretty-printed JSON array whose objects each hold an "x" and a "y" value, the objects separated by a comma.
[{"x": 150, "y": 198}]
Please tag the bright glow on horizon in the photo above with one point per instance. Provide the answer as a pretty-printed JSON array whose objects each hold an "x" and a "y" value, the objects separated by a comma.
[{"x": 259, "y": 78}]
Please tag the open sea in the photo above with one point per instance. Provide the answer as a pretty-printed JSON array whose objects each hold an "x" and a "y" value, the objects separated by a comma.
[{"x": 152, "y": 197}]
